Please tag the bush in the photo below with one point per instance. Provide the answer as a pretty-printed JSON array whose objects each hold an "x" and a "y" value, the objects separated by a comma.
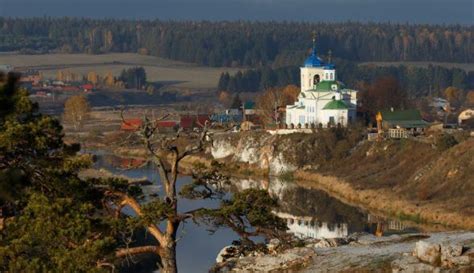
[
  {"x": 287, "y": 176},
  {"x": 445, "y": 142}
]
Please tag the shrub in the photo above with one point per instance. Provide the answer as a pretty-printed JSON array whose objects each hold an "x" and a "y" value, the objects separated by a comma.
[
  {"x": 445, "y": 142},
  {"x": 287, "y": 176}
]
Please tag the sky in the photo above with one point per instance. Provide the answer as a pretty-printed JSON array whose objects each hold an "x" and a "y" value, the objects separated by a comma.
[{"x": 397, "y": 11}]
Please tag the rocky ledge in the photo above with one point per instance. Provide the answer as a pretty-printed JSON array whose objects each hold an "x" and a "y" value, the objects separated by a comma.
[{"x": 437, "y": 252}]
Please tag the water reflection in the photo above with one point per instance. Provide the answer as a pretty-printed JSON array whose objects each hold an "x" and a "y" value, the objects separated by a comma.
[{"x": 308, "y": 213}]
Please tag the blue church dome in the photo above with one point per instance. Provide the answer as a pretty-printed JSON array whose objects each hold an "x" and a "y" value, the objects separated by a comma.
[{"x": 313, "y": 60}]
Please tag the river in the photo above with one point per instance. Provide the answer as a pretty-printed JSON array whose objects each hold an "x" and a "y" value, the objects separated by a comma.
[{"x": 308, "y": 213}]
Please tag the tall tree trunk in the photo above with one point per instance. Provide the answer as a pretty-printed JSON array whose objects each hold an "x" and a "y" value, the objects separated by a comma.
[{"x": 168, "y": 258}]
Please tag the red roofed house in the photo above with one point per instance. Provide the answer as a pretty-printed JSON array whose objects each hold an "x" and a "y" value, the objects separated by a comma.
[
  {"x": 71, "y": 89},
  {"x": 87, "y": 87},
  {"x": 193, "y": 121},
  {"x": 167, "y": 123},
  {"x": 132, "y": 124}
]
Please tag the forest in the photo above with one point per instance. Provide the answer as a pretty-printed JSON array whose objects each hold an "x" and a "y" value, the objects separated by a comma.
[
  {"x": 239, "y": 43},
  {"x": 417, "y": 81}
]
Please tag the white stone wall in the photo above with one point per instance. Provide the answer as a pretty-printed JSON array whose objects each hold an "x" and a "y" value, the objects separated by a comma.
[{"x": 307, "y": 76}]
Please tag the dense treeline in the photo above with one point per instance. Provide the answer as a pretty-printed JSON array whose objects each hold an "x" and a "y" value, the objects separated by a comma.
[
  {"x": 239, "y": 43},
  {"x": 253, "y": 80},
  {"x": 134, "y": 77},
  {"x": 417, "y": 81}
]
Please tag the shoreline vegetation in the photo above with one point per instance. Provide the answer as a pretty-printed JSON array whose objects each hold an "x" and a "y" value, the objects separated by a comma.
[{"x": 378, "y": 201}]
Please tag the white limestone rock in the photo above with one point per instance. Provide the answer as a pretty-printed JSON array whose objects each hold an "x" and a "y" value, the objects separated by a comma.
[
  {"x": 325, "y": 243},
  {"x": 458, "y": 261},
  {"x": 410, "y": 264},
  {"x": 449, "y": 251},
  {"x": 226, "y": 253},
  {"x": 428, "y": 252}
]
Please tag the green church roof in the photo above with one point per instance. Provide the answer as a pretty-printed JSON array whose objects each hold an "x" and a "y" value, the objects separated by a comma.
[
  {"x": 335, "y": 105},
  {"x": 327, "y": 85}
]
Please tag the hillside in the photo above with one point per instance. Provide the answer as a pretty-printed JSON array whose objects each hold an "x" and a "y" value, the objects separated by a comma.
[
  {"x": 403, "y": 177},
  {"x": 414, "y": 170}
]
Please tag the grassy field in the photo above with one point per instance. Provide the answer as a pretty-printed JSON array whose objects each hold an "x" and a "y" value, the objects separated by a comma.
[
  {"x": 466, "y": 66},
  {"x": 177, "y": 74}
]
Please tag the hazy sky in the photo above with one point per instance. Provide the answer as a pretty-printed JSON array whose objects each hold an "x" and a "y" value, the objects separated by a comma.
[{"x": 413, "y": 11}]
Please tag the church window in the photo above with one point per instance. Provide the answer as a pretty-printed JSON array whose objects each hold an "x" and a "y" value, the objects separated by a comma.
[
  {"x": 316, "y": 79},
  {"x": 332, "y": 121}
]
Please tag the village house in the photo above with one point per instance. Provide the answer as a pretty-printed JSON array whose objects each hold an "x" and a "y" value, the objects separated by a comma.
[
  {"x": 323, "y": 101},
  {"x": 400, "y": 123},
  {"x": 32, "y": 77}
]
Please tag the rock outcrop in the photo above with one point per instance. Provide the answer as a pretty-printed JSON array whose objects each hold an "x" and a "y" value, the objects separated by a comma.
[{"x": 273, "y": 153}]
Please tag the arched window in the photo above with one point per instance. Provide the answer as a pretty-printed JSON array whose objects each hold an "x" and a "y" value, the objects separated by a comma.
[{"x": 316, "y": 79}]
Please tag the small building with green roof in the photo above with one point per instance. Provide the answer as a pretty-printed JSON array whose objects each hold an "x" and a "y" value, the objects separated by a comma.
[{"x": 400, "y": 123}]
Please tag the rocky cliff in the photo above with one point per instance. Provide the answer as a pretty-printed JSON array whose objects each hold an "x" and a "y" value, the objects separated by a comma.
[{"x": 263, "y": 151}]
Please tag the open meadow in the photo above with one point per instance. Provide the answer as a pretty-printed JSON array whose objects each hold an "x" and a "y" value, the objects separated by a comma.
[{"x": 175, "y": 74}]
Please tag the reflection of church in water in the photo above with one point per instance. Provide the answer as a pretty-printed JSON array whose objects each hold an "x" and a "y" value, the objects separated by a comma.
[
  {"x": 304, "y": 227},
  {"x": 309, "y": 213},
  {"x": 314, "y": 214}
]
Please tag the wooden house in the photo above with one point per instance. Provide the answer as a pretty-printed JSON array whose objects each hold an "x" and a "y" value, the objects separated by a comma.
[{"x": 400, "y": 123}]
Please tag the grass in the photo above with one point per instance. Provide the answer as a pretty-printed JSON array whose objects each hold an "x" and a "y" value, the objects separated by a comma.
[
  {"x": 415, "y": 218},
  {"x": 176, "y": 74}
]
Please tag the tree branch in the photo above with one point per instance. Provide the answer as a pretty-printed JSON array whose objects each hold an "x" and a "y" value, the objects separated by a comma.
[
  {"x": 135, "y": 206},
  {"x": 124, "y": 252}
]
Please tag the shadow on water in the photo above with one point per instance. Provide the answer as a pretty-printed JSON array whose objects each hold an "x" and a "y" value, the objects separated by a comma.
[{"x": 308, "y": 213}]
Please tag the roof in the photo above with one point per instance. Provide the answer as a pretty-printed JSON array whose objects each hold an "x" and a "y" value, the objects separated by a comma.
[
  {"x": 131, "y": 124},
  {"x": 167, "y": 123},
  {"x": 327, "y": 85},
  {"x": 313, "y": 60},
  {"x": 87, "y": 86},
  {"x": 188, "y": 121},
  {"x": 249, "y": 105},
  {"x": 335, "y": 105},
  {"x": 403, "y": 118}
]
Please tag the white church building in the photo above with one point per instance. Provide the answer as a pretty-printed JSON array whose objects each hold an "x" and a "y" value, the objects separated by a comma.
[{"x": 323, "y": 100}]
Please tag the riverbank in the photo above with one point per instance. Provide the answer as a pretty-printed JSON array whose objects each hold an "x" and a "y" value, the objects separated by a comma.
[
  {"x": 386, "y": 202},
  {"x": 405, "y": 179},
  {"x": 436, "y": 252},
  {"x": 381, "y": 201}
]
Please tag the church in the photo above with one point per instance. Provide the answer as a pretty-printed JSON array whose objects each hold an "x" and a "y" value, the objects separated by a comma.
[{"x": 323, "y": 101}]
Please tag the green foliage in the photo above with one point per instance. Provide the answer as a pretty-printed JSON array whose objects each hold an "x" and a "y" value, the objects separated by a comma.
[
  {"x": 248, "y": 213},
  {"x": 134, "y": 77},
  {"x": 239, "y": 43},
  {"x": 416, "y": 218},
  {"x": 54, "y": 235},
  {"x": 414, "y": 80},
  {"x": 55, "y": 221},
  {"x": 155, "y": 212},
  {"x": 445, "y": 141}
]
